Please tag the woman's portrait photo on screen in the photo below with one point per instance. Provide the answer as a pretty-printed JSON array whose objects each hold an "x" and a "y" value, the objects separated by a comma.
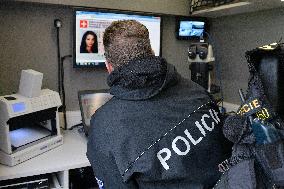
[{"x": 89, "y": 43}]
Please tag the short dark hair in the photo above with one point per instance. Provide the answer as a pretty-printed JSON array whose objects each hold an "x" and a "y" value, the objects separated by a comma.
[{"x": 125, "y": 40}]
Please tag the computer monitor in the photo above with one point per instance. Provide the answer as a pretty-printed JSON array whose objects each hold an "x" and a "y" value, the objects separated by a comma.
[
  {"x": 90, "y": 25},
  {"x": 89, "y": 102}
]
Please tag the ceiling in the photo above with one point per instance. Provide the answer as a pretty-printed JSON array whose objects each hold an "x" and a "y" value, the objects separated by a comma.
[{"x": 240, "y": 7}]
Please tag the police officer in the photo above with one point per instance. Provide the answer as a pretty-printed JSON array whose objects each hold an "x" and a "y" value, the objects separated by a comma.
[{"x": 159, "y": 130}]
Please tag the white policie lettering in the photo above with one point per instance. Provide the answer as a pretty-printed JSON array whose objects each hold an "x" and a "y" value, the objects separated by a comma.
[
  {"x": 178, "y": 151},
  {"x": 163, "y": 160},
  {"x": 165, "y": 154}
]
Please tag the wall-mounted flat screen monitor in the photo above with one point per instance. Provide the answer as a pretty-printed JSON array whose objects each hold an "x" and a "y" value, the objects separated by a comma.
[
  {"x": 89, "y": 30},
  {"x": 190, "y": 28}
]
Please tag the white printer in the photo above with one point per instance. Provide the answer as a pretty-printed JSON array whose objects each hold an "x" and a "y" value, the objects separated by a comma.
[{"x": 29, "y": 126}]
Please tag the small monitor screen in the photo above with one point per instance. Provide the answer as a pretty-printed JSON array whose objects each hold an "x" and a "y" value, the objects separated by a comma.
[
  {"x": 89, "y": 31},
  {"x": 191, "y": 28},
  {"x": 19, "y": 107}
]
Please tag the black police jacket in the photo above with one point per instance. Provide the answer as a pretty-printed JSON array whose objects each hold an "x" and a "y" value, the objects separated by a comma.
[{"x": 158, "y": 131}]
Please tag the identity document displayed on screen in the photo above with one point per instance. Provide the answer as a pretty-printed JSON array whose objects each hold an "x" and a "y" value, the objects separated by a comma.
[{"x": 89, "y": 30}]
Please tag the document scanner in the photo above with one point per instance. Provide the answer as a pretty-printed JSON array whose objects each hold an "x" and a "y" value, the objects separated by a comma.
[{"x": 29, "y": 126}]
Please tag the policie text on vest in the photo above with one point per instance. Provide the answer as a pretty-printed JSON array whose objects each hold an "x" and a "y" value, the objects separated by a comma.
[{"x": 165, "y": 154}]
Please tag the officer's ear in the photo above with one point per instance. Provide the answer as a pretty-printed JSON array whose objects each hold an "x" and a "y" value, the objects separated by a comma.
[{"x": 109, "y": 66}]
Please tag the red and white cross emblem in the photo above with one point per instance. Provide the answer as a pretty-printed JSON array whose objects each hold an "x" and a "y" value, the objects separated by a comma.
[{"x": 83, "y": 23}]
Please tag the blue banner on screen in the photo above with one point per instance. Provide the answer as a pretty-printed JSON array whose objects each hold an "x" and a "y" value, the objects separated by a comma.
[
  {"x": 191, "y": 28},
  {"x": 90, "y": 26}
]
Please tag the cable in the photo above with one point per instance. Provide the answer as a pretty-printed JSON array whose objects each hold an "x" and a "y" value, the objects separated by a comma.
[
  {"x": 57, "y": 25},
  {"x": 58, "y": 59},
  {"x": 74, "y": 126},
  {"x": 62, "y": 88}
]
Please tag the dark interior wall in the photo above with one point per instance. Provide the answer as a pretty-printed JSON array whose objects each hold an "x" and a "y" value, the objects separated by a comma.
[
  {"x": 28, "y": 41},
  {"x": 234, "y": 35},
  {"x": 176, "y": 7},
  {"x": 173, "y": 50}
]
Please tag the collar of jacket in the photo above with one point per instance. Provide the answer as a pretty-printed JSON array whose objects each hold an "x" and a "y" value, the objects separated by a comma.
[{"x": 142, "y": 78}]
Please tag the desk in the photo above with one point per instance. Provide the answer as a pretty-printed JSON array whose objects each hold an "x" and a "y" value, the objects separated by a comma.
[{"x": 70, "y": 155}]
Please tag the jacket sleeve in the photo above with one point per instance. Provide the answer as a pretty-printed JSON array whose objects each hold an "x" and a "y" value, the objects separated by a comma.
[
  {"x": 103, "y": 162},
  {"x": 106, "y": 172},
  {"x": 237, "y": 130}
]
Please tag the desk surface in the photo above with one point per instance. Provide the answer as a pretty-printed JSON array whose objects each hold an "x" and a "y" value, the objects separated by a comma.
[{"x": 70, "y": 155}]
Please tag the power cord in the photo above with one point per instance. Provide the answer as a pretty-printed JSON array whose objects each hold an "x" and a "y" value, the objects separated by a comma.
[
  {"x": 75, "y": 126},
  {"x": 80, "y": 127},
  {"x": 62, "y": 89},
  {"x": 58, "y": 25}
]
